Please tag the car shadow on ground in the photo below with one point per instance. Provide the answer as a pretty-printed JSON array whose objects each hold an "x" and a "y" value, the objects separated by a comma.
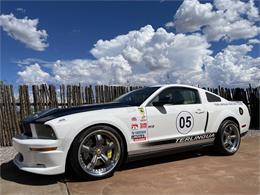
[
  {"x": 10, "y": 172},
  {"x": 165, "y": 158}
]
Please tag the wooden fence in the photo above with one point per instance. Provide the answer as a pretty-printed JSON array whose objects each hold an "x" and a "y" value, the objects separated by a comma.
[{"x": 31, "y": 99}]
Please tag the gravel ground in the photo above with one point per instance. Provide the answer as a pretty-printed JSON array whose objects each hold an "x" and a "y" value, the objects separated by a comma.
[{"x": 8, "y": 153}]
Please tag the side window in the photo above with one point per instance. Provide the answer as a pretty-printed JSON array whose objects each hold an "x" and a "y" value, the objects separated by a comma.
[
  {"x": 178, "y": 95},
  {"x": 212, "y": 98}
]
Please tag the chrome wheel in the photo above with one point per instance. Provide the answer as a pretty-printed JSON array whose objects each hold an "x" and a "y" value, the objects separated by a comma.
[
  {"x": 231, "y": 138},
  {"x": 99, "y": 153}
]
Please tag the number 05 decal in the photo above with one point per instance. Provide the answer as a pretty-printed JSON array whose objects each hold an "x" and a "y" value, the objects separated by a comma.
[{"x": 184, "y": 122}]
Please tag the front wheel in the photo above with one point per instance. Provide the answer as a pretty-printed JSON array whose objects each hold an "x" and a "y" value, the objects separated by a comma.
[
  {"x": 228, "y": 138},
  {"x": 97, "y": 152}
]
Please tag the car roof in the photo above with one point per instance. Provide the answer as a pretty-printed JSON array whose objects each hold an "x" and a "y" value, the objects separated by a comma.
[{"x": 174, "y": 85}]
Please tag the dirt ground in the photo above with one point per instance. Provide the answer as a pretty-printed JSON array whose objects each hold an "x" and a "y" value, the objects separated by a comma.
[{"x": 197, "y": 172}]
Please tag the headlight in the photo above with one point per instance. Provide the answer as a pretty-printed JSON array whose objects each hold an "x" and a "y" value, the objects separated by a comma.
[{"x": 43, "y": 131}]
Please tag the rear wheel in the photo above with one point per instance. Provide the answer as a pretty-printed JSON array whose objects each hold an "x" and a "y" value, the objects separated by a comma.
[
  {"x": 228, "y": 138},
  {"x": 97, "y": 152}
]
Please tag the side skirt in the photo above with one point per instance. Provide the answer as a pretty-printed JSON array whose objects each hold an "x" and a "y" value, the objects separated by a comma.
[
  {"x": 175, "y": 145},
  {"x": 165, "y": 152}
]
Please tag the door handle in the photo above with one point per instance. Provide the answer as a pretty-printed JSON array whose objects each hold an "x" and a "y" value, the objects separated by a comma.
[{"x": 199, "y": 111}]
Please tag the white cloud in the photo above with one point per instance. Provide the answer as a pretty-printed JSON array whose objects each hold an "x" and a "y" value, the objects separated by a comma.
[
  {"x": 148, "y": 56},
  {"x": 144, "y": 56},
  {"x": 253, "y": 12},
  {"x": 109, "y": 70},
  {"x": 169, "y": 24},
  {"x": 29, "y": 61},
  {"x": 234, "y": 67},
  {"x": 192, "y": 15},
  {"x": 33, "y": 74},
  {"x": 227, "y": 19},
  {"x": 254, "y": 41},
  {"x": 25, "y": 31},
  {"x": 156, "y": 49}
]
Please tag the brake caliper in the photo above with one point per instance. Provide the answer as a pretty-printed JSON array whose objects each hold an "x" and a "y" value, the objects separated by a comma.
[{"x": 109, "y": 152}]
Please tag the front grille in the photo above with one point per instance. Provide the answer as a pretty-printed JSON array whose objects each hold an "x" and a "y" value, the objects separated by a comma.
[{"x": 27, "y": 129}]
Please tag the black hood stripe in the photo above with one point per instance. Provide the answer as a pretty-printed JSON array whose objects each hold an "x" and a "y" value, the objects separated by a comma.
[{"x": 53, "y": 113}]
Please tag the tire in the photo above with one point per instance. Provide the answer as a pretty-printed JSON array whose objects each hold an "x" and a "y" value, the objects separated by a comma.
[
  {"x": 97, "y": 152},
  {"x": 228, "y": 138}
]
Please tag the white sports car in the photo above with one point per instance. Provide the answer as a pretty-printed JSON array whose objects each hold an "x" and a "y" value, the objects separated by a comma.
[{"x": 96, "y": 139}]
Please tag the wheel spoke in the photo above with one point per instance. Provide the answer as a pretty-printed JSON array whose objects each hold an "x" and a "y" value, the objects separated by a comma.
[
  {"x": 87, "y": 149},
  {"x": 99, "y": 139},
  {"x": 93, "y": 162},
  {"x": 226, "y": 133},
  {"x": 226, "y": 143},
  {"x": 233, "y": 136},
  {"x": 105, "y": 159},
  {"x": 229, "y": 128}
]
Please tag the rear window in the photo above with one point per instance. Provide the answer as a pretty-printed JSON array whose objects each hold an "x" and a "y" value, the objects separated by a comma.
[{"x": 212, "y": 98}]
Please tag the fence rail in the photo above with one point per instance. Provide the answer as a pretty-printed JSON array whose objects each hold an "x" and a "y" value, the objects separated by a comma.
[{"x": 31, "y": 99}]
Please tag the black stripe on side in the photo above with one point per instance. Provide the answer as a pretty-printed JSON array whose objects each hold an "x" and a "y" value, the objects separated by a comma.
[
  {"x": 191, "y": 139},
  {"x": 206, "y": 125}
]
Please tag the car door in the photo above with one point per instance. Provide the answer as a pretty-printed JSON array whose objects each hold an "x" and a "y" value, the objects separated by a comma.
[{"x": 175, "y": 112}]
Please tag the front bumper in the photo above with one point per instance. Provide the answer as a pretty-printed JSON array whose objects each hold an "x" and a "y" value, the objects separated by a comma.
[{"x": 41, "y": 162}]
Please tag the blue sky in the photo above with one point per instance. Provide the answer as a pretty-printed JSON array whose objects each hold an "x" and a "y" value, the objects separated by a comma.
[{"x": 73, "y": 28}]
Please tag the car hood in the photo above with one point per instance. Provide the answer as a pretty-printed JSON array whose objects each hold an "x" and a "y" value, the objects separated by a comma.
[{"x": 53, "y": 113}]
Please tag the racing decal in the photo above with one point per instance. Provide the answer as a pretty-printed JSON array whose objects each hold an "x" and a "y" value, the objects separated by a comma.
[
  {"x": 186, "y": 139},
  {"x": 134, "y": 126},
  {"x": 133, "y": 119},
  {"x": 143, "y": 118},
  {"x": 143, "y": 115},
  {"x": 143, "y": 125},
  {"x": 184, "y": 122},
  {"x": 228, "y": 103},
  {"x": 194, "y": 138},
  {"x": 140, "y": 135},
  {"x": 141, "y": 110},
  {"x": 150, "y": 126}
]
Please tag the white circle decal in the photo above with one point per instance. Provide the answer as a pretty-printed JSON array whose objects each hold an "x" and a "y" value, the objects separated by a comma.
[{"x": 184, "y": 122}]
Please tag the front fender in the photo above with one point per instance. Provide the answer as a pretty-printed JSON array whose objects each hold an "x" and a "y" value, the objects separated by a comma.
[{"x": 68, "y": 127}]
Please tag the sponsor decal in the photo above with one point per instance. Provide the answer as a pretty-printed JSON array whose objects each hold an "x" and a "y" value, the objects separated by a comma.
[
  {"x": 143, "y": 118},
  {"x": 134, "y": 126},
  {"x": 184, "y": 122},
  {"x": 139, "y": 135},
  {"x": 143, "y": 125},
  {"x": 194, "y": 138},
  {"x": 133, "y": 119},
  {"x": 186, "y": 139},
  {"x": 141, "y": 110},
  {"x": 228, "y": 103}
]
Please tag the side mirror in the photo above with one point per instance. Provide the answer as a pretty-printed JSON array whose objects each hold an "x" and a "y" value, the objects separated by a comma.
[{"x": 158, "y": 104}]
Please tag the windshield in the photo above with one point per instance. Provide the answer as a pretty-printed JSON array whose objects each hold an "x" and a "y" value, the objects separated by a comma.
[{"x": 136, "y": 97}]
